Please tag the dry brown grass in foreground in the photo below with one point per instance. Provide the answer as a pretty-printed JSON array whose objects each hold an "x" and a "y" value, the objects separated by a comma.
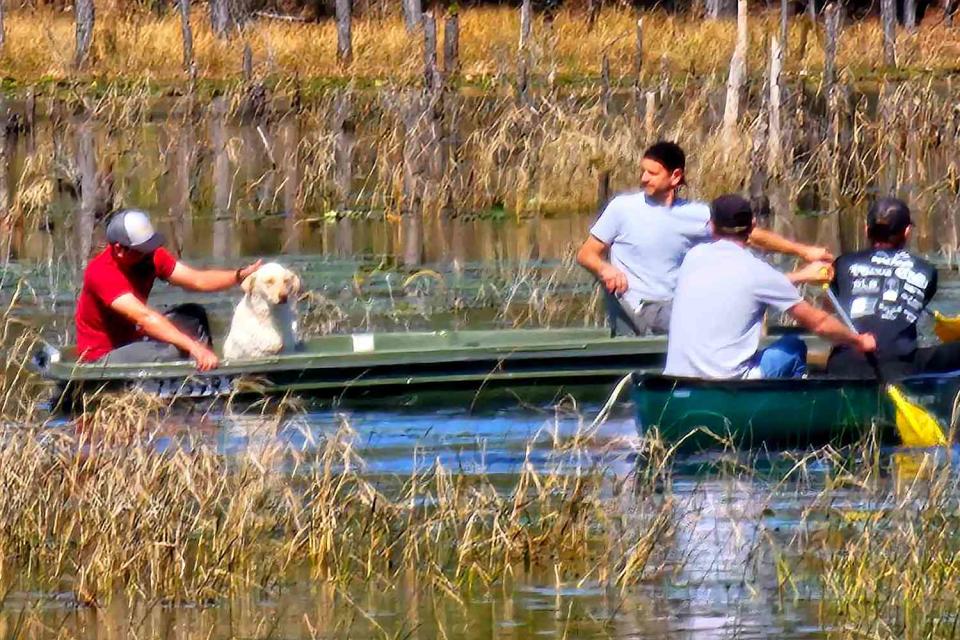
[{"x": 99, "y": 512}]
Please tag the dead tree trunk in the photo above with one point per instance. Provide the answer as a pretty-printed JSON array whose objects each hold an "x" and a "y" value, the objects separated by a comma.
[
  {"x": 451, "y": 47},
  {"x": 30, "y": 121},
  {"x": 829, "y": 232},
  {"x": 526, "y": 24},
  {"x": 344, "y": 146},
  {"x": 523, "y": 56},
  {"x": 431, "y": 75},
  {"x": 7, "y": 223},
  {"x": 606, "y": 92},
  {"x": 738, "y": 72},
  {"x": 87, "y": 168},
  {"x": 413, "y": 14},
  {"x": 650, "y": 117},
  {"x": 830, "y": 49},
  {"x": 247, "y": 64},
  {"x": 758, "y": 164},
  {"x": 222, "y": 224},
  {"x": 181, "y": 211},
  {"x": 290, "y": 139},
  {"x": 3, "y": 28},
  {"x": 786, "y": 9},
  {"x": 775, "y": 138},
  {"x": 85, "y": 16},
  {"x": 186, "y": 33},
  {"x": 888, "y": 15},
  {"x": 414, "y": 177},
  {"x": 910, "y": 15},
  {"x": 638, "y": 70},
  {"x": 221, "y": 18},
  {"x": 344, "y": 39},
  {"x": 716, "y": 9}
]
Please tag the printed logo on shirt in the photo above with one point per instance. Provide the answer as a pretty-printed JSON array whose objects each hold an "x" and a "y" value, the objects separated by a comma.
[
  {"x": 899, "y": 259},
  {"x": 866, "y": 285},
  {"x": 862, "y": 307},
  {"x": 867, "y": 270},
  {"x": 891, "y": 289}
]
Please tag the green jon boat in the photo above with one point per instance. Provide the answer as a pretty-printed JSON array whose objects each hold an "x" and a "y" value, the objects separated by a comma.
[
  {"x": 777, "y": 413},
  {"x": 465, "y": 368}
]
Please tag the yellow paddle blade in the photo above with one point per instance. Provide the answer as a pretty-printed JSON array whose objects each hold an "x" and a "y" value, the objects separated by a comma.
[
  {"x": 947, "y": 329},
  {"x": 917, "y": 428}
]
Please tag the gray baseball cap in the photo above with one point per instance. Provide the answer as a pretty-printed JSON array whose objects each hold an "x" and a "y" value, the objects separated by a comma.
[{"x": 131, "y": 228}]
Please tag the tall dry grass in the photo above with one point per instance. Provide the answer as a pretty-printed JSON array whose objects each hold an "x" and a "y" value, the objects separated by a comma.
[
  {"x": 130, "y": 45},
  {"x": 98, "y": 511},
  {"x": 106, "y": 510}
]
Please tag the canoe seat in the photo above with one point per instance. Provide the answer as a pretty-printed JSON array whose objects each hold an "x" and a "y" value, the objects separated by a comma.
[{"x": 363, "y": 342}]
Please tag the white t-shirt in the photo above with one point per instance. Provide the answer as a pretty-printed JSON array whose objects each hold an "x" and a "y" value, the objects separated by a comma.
[
  {"x": 648, "y": 242},
  {"x": 722, "y": 293}
]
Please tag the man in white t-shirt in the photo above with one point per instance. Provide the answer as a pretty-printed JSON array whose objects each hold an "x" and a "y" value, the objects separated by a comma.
[
  {"x": 637, "y": 245},
  {"x": 722, "y": 293}
]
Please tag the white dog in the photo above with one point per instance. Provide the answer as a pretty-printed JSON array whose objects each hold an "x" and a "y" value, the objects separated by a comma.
[{"x": 265, "y": 321}]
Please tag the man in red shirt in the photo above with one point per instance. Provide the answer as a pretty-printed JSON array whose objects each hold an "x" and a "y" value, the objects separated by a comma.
[{"x": 114, "y": 322}]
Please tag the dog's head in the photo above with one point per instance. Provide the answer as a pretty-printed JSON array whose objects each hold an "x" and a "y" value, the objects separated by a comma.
[{"x": 272, "y": 282}]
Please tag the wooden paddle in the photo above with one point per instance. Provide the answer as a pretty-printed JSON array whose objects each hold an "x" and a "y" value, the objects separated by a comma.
[{"x": 917, "y": 428}]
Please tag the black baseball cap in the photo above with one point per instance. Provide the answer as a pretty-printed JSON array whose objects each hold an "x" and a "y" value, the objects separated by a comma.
[
  {"x": 669, "y": 154},
  {"x": 731, "y": 215},
  {"x": 131, "y": 228},
  {"x": 887, "y": 218}
]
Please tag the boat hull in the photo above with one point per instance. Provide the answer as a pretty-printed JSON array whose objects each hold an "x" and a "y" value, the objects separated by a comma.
[
  {"x": 417, "y": 369},
  {"x": 777, "y": 413}
]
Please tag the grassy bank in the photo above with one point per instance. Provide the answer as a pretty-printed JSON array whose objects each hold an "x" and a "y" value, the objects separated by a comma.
[{"x": 141, "y": 46}]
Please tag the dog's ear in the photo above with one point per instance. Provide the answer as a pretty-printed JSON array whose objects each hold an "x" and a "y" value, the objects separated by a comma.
[
  {"x": 295, "y": 286},
  {"x": 247, "y": 284}
]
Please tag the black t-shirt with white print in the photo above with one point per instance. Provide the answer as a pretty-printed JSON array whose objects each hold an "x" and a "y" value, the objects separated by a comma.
[{"x": 884, "y": 292}]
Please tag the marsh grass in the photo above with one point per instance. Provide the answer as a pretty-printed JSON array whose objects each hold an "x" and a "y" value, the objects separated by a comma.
[
  {"x": 98, "y": 511},
  {"x": 139, "y": 45}
]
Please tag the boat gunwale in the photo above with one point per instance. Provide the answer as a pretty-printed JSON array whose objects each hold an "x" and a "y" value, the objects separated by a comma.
[
  {"x": 659, "y": 382},
  {"x": 71, "y": 370}
]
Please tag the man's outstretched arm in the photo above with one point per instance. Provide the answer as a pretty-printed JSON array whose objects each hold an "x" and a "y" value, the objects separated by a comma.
[
  {"x": 770, "y": 241},
  {"x": 187, "y": 277},
  {"x": 592, "y": 256},
  {"x": 830, "y": 327},
  {"x": 158, "y": 327}
]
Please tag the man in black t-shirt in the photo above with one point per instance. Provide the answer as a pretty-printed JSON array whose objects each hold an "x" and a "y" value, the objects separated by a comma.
[{"x": 884, "y": 290}]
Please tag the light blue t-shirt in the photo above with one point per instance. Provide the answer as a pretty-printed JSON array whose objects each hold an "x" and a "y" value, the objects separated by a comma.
[
  {"x": 722, "y": 293},
  {"x": 648, "y": 242}
]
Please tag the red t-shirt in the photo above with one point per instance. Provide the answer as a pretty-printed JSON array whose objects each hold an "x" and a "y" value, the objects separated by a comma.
[{"x": 100, "y": 329}]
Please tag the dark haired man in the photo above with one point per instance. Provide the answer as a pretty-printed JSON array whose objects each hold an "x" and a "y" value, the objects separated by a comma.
[
  {"x": 114, "y": 323},
  {"x": 884, "y": 289},
  {"x": 637, "y": 245},
  {"x": 722, "y": 293}
]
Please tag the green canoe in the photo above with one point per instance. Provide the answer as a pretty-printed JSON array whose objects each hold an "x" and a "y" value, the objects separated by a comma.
[
  {"x": 389, "y": 369},
  {"x": 777, "y": 413}
]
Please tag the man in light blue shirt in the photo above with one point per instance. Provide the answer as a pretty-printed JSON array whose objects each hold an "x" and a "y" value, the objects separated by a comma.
[
  {"x": 637, "y": 245},
  {"x": 721, "y": 296}
]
